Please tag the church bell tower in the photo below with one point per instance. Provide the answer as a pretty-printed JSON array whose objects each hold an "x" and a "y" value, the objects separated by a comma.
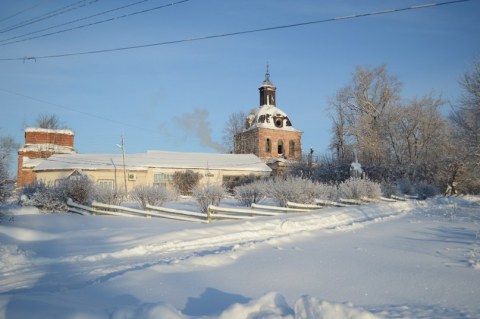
[{"x": 268, "y": 132}]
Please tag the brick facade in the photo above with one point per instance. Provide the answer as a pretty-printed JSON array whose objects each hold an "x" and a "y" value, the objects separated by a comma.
[
  {"x": 270, "y": 143},
  {"x": 55, "y": 137},
  {"x": 268, "y": 132},
  {"x": 41, "y": 143}
]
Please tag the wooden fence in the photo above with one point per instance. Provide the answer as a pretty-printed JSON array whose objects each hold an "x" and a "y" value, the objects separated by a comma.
[{"x": 213, "y": 212}]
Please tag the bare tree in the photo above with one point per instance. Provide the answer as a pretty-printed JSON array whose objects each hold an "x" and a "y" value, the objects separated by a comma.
[
  {"x": 391, "y": 138},
  {"x": 7, "y": 146},
  {"x": 48, "y": 121},
  {"x": 359, "y": 112},
  {"x": 465, "y": 119},
  {"x": 234, "y": 125}
]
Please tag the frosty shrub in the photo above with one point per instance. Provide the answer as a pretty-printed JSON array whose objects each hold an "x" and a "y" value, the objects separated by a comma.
[
  {"x": 406, "y": 186},
  {"x": 250, "y": 193},
  {"x": 293, "y": 189},
  {"x": 151, "y": 195},
  {"x": 80, "y": 189},
  {"x": 6, "y": 188},
  {"x": 355, "y": 188},
  {"x": 184, "y": 182},
  {"x": 327, "y": 192},
  {"x": 426, "y": 190},
  {"x": 47, "y": 198},
  {"x": 208, "y": 195},
  {"x": 389, "y": 189},
  {"x": 107, "y": 195},
  {"x": 231, "y": 182}
]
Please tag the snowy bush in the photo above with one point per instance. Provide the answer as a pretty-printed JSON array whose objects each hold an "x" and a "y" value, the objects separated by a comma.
[
  {"x": 45, "y": 197},
  {"x": 355, "y": 188},
  {"x": 151, "y": 195},
  {"x": 389, "y": 189},
  {"x": 250, "y": 193},
  {"x": 6, "y": 188},
  {"x": 231, "y": 182},
  {"x": 80, "y": 189},
  {"x": 107, "y": 195},
  {"x": 184, "y": 182},
  {"x": 426, "y": 190},
  {"x": 406, "y": 186},
  {"x": 293, "y": 189},
  {"x": 208, "y": 195},
  {"x": 327, "y": 192}
]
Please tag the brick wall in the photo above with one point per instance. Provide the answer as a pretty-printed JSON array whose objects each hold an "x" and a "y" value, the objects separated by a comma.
[
  {"x": 255, "y": 141},
  {"x": 62, "y": 137},
  {"x": 65, "y": 138}
]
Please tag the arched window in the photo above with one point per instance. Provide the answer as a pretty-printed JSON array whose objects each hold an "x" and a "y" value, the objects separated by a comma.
[
  {"x": 291, "y": 148},
  {"x": 268, "y": 146},
  {"x": 280, "y": 147}
]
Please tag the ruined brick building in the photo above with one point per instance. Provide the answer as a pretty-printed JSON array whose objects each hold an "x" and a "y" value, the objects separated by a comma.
[
  {"x": 268, "y": 132},
  {"x": 39, "y": 145}
]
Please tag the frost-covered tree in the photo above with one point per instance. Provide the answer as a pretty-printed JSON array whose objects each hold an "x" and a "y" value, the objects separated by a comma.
[
  {"x": 392, "y": 137},
  {"x": 7, "y": 146},
  {"x": 359, "y": 111},
  {"x": 47, "y": 121},
  {"x": 5, "y": 188},
  {"x": 234, "y": 125},
  {"x": 465, "y": 119}
]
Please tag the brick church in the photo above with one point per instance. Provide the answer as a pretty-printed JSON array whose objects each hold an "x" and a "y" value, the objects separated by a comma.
[{"x": 268, "y": 132}]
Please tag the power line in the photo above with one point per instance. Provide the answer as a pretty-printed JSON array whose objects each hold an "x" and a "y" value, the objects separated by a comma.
[
  {"x": 75, "y": 110},
  {"x": 223, "y": 35},
  {"x": 48, "y": 15},
  {"x": 89, "y": 24},
  {"x": 23, "y": 11}
]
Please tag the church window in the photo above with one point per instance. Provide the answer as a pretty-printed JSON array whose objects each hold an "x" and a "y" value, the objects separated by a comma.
[
  {"x": 278, "y": 122},
  {"x": 268, "y": 146},
  {"x": 291, "y": 148},
  {"x": 280, "y": 147}
]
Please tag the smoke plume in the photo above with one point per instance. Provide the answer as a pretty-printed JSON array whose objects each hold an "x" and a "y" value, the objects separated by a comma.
[{"x": 196, "y": 124}]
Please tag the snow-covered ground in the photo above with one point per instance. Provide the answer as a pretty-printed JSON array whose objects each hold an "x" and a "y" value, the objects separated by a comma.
[{"x": 394, "y": 260}]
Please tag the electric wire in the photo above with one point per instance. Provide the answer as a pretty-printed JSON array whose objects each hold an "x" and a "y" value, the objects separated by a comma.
[
  {"x": 76, "y": 110},
  {"x": 23, "y": 10},
  {"x": 236, "y": 33},
  {"x": 88, "y": 24},
  {"x": 48, "y": 15}
]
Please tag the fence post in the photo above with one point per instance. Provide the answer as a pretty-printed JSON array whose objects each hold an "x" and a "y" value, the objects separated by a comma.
[{"x": 209, "y": 219}]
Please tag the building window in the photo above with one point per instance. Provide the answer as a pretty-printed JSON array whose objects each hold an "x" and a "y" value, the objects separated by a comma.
[
  {"x": 280, "y": 147},
  {"x": 268, "y": 146},
  {"x": 291, "y": 148},
  {"x": 161, "y": 179},
  {"x": 105, "y": 183}
]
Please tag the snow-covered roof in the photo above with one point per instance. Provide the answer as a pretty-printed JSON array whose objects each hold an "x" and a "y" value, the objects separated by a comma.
[
  {"x": 31, "y": 162},
  {"x": 47, "y": 147},
  {"x": 46, "y": 130},
  {"x": 269, "y": 116},
  {"x": 154, "y": 159}
]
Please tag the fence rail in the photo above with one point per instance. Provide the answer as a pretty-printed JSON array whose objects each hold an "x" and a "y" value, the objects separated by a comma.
[
  {"x": 279, "y": 209},
  {"x": 213, "y": 212}
]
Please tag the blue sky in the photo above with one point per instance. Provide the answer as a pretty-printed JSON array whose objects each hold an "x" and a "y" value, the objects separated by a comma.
[{"x": 144, "y": 93}]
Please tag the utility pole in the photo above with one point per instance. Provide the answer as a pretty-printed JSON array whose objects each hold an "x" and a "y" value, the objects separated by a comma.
[{"x": 122, "y": 146}]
